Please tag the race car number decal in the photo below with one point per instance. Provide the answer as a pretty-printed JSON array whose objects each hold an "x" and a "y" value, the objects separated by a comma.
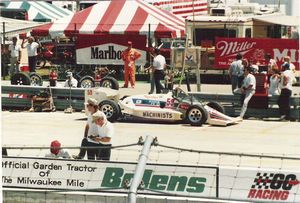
[{"x": 170, "y": 102}]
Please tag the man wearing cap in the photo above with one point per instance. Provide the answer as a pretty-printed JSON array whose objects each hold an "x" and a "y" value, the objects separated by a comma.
[
  {"x": 32, "y": 47},
  {"x": 15, "y": 55},
  {"x": 129, "y": 56},
  {"x": 105, "y": 133},
  {"x": 71, "y": 81},
  {"x": 90, "y": 128},
  {"x": 287, "y": 60},
  {"x": 56, "y": 151}
]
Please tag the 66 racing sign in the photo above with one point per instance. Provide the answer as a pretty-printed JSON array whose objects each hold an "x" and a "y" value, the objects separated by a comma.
[
  {"x": 254, "y": 50},
  {"x": 259, "y": 185},
  {"x": 107, "y": 49}
]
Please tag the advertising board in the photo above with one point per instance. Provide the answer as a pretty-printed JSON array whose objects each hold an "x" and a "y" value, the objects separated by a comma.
[
  {"x": 107, "y": 49},
  {"x": 57, "y": 174},
  {"x": 259, "y": 185},
  {"x": 254, "y": 50}
]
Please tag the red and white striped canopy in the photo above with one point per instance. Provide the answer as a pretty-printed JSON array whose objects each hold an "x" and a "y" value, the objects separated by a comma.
[{"x": 117, "y": 17}]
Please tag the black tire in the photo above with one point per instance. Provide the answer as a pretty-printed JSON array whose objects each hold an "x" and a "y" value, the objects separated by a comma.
[
  {"x": 217, "y": 106},
  {"x": 20, "y": 79},
  {"x": 111, "y": 109},
  {"x": 86, "y": 82},
  {"x": 35, "y": 80},
  {"x": 109, "y": 82},
  {"x": 196, "y": 115}
]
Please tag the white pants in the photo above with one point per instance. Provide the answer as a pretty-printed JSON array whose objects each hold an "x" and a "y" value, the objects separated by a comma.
[{"x": 248, "y": 96}]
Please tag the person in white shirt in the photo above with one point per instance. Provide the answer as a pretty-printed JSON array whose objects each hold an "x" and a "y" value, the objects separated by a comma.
[
  {"x": 274, "y": 82},
  {"x": 71, "y": 81},
  {"x": 236, "y": 72},
  {"x": 287, "y": 60},
  {"x": 90, "y": 129},
  {"x": 159, "y": 64},
  {"x": 247, "y": 89},
  {"x": 32, "y": 47},
  {"x": 271, "y": 63},
  {"x": 56, "y": 151},
  {"x": 105, "y": 134},
  {"x": 286, "y": 92},
  {"x": 15, "y": 55}
]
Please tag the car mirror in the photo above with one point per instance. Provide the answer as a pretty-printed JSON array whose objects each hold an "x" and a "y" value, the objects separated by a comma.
[{"x": 162, "y": 104}]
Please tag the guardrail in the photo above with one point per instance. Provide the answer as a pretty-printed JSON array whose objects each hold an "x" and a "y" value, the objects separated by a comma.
[
  {"x": 232, "y": 104},
  {"x": 12, "y": 98},
  {"x": 19, "y": 97}
]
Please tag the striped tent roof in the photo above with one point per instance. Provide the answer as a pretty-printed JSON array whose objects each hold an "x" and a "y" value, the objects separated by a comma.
[
  {"x": 117, "y": 17},
  {"x": 39, "y": 11}
]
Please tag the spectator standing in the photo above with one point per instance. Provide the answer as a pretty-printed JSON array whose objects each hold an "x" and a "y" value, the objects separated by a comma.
[
  {"x": 247, "y": 89},
  {"x": 235, "y": 71},
  {"x": 105, "y": 133},
  {"x": 286, "y": 92},
  {"x": 287, "y": 60},
  {"x": 274, "y": 82},
  {"x": 71, "y": 81},
  {"x": 15, "y": 56},
  {"x": 32, "y": 47},
  {"x": 90, "y": 128},
  {"x": 129, "y": 56},
  {"x": 159, "y": 64},
  {"x": 271, "y": 63},
  {"x": 56, "y": 151}
]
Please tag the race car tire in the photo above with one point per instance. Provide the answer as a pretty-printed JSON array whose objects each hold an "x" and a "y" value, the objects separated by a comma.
[
  {"x": 217, "y": 106},
  {"x": 86, "y": 82},
  {"x": 111, "y": 109},
  {"x": 20, "y": 79},
  {"x": 35, "y": 79},
  {"x": 109, "y": 82},
  {"x": 196, "y": 115}
]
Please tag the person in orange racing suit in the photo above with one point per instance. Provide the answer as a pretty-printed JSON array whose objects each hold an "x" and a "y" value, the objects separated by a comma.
[{"x": 129, "y": 56}]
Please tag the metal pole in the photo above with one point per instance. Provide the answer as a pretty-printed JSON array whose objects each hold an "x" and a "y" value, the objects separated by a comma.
[
  {"x": 198, "y": 56},
  {"x": 139, "y": 170},
  {"x": 4, "y": 35}
]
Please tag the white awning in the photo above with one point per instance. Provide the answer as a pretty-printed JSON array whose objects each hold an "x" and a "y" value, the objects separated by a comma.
[{"x": 279, "y": 20}]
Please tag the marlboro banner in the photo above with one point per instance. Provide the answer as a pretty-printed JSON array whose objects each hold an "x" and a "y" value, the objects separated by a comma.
[
  {"x": 107, "y": 49},
  {"x": 254, "y": 50}
]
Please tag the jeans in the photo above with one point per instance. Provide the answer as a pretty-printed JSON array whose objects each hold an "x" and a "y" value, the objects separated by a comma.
[
  {"x": 32, "y": 63},
  {"x": 158, "y": 76},
  {"x": 152, "y": 83}
]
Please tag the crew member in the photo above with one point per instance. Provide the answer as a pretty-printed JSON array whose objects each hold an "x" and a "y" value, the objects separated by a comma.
[
  {"x": 15, "y": 56},
  {"x": 105, "y": 133},
  {"x": 247, "y": 89},
  {"x": 236, "y": 72},
  {"x": 71, "y": 81},
  {"x": 129, "y": 56},
  {"x": 32, "y": 47},
  {"x": 90, "y": 129},
  {"x": 56, "y": 151},
  {"x": 159, "y": 64},
  {"x": 53, "y": 78},
  {"x": 286, "y": 92},
  {"x": 271, "y": 63}
]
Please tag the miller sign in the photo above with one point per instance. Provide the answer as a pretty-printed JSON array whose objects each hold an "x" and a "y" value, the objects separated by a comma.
[{"x": 254, "y": 50}]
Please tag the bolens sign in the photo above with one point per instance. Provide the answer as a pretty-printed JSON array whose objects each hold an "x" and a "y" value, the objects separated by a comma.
[
  {"x": 107, "y": 49},
  {"x": 254, "y": 50}
]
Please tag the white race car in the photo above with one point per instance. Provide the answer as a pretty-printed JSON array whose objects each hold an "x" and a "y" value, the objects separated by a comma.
[{"x": 173, "y": 106}]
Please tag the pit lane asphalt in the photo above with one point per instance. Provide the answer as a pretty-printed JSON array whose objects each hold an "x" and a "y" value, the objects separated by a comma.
[{"x": 250, "y": 136}]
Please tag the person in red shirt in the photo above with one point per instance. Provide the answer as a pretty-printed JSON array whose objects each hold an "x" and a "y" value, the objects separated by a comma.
[{"x": 129, "y": 56}]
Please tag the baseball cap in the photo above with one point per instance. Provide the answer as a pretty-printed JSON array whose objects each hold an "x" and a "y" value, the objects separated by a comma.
[
  {"x": 129, "y": 42},
  {"x": 92, "y": 101}
]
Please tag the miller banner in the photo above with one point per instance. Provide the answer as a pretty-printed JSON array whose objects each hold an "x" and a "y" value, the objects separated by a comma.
[
  {"x": 107, "y": 49},
  {"x": 42, "y": 173},
  {"x": 254, "y": 50}
]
